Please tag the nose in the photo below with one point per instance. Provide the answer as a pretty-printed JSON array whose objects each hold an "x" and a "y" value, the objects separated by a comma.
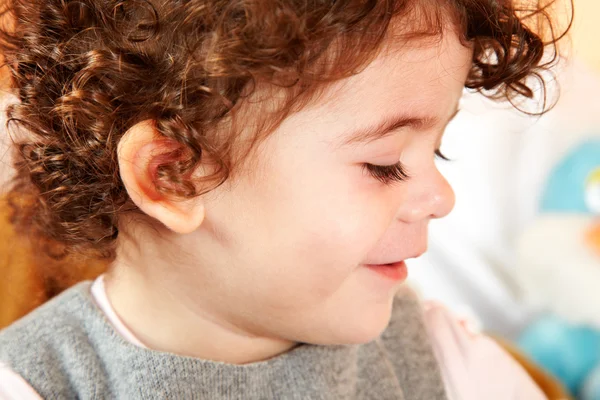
[{"x": 428, "y": 196}]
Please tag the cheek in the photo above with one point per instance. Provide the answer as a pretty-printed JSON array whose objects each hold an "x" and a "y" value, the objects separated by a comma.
[
  {"x": 333, "y": 230},
  {"x": 312, "y": 227}
]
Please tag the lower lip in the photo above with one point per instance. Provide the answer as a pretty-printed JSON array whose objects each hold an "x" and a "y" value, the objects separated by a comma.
[{"x": 395, "y": 272}]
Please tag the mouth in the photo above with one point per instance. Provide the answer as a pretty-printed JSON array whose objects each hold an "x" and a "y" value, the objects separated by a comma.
[{"x": 394, "y": 271}]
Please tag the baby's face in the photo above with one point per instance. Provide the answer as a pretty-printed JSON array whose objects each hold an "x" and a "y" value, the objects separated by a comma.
[{"x": 282, "y": 251}]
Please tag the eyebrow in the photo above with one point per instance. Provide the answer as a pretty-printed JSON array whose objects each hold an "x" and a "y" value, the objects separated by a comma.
[{"x": 391, "y": 124}]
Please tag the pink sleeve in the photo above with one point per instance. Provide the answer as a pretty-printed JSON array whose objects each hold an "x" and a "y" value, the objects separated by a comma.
[
  {"x": 13, "y": 387},
  {"x": 474, "y": 366}
]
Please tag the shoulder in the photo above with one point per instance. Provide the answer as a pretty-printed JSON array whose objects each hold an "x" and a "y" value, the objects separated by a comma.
[
  {"x": 61, "y": 312},
  {"x": 47, "y": 330},
  {"x": 47, "y": 343},
  {"x": 473, "y": 365},
  {"x": 14, "y": 387}
]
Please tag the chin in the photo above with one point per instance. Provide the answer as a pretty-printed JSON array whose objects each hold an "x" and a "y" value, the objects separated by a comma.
[
  {"x": 364, "y": 335},
  {"x": 357, "y": 327}
]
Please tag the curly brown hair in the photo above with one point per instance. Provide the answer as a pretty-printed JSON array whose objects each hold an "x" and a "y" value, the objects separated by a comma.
[{"x": 85, "y": 71}]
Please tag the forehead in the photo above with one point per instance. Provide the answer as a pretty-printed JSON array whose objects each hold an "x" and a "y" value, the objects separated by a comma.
[{"x": 420, "y": 79}]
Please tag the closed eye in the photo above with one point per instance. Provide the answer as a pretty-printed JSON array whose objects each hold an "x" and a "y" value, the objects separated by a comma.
[{"x": 388, "y": 174}]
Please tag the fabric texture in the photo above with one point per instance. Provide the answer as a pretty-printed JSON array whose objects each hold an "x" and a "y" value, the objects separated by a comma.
[{"x": 68, "y": 349}]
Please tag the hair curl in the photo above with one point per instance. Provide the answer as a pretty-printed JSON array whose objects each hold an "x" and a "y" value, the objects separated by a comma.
[{"x": 85, "y": 71}]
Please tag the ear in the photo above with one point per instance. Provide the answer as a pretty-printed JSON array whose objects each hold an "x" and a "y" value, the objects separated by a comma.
[{"x": 140, "y": 151}]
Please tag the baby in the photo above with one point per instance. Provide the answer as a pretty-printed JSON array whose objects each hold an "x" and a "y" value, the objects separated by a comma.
[{"x": 257, "y": 172}]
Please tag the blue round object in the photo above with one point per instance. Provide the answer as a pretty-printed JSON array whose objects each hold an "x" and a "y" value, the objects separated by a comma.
[
  {"x": 569, "y": 352},
  {"x": 565, "y": 189}
]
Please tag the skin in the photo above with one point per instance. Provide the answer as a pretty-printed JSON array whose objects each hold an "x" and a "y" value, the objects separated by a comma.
[{"x": 277, "y": 257}]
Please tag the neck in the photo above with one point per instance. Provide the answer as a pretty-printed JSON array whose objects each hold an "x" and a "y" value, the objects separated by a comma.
[{"x": 157, "y": 307}]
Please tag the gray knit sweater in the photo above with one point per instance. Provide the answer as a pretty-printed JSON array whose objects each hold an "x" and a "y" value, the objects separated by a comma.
[{"x": 67, "y": 349}]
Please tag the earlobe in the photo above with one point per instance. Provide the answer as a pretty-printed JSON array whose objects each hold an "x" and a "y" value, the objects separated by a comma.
[{"x": 139, "y": 152}]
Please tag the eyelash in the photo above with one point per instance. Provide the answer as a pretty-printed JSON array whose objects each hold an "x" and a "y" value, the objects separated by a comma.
[{"x": 393, "y": 173}]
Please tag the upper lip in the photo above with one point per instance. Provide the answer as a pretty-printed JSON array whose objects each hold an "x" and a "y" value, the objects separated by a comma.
[
  {"x": 399, "y": 259},
  {"x": 393, "y": 262}
]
